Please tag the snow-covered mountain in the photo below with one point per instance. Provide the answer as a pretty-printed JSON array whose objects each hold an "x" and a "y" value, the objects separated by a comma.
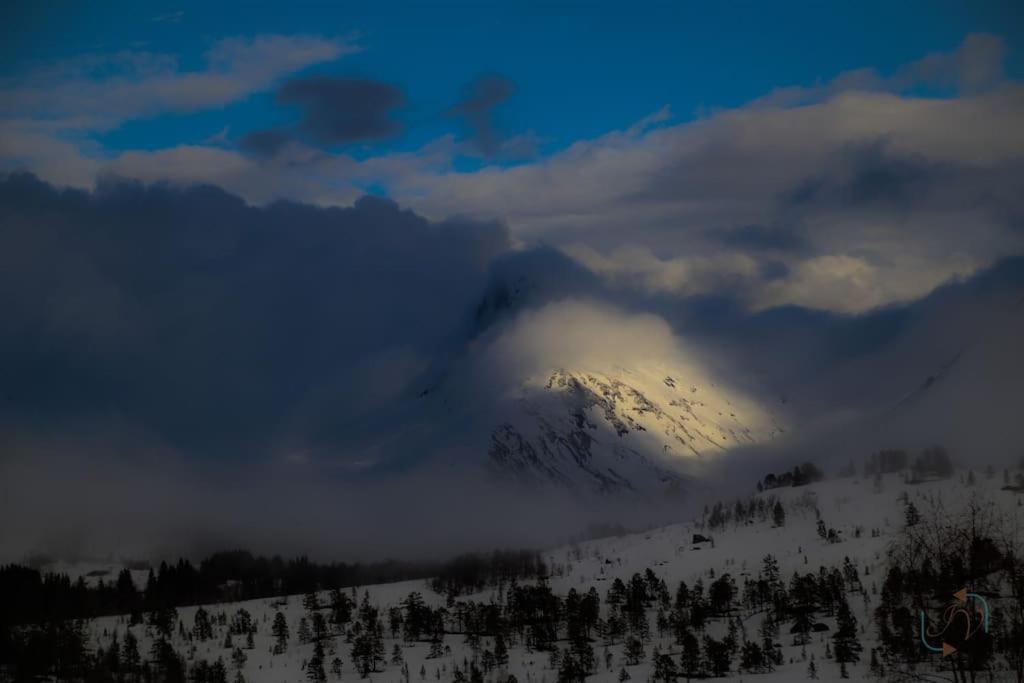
[{"x": 640, "y": 429}]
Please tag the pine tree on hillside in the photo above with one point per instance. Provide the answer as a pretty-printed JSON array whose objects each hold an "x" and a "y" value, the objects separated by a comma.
[
  {"x": 847, "y": 646},
  {"x": 876, "y": 668},
  {"x": 500, "y": 652},
  {"x": 218, "y": 672},
  {"x": 315, "y": 666},
  {"x": 238, "y": 658},
  {"x": 634, "y": 650},
  {"x": 911, "y": 515},
  {"x": 664, "y": 669},
  {"x": 752, "y": 657},
  {"x": 717, "y": 656},
  {"x": 778, "y": 514},
  {"x": 690, "y": 659},
  {"x": 280, "y": 631},
  {"x": 130, "y": 659},
  {"x": 202, "y": 629}
]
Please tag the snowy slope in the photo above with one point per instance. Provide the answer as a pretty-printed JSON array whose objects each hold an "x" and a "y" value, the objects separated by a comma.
[{"x": 843, "y": 504}]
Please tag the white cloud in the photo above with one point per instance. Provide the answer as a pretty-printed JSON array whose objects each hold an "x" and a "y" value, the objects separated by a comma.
[{"x": 97, "y": 92}]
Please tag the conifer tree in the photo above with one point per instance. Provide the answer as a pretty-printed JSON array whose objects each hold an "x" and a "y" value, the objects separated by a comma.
[
  {"x": 634, "y": 650},
  {"x": 315, "y": 667},
  {"x": 130, "y": 653},
  {"x": 304, "y": 634},
  {"x": 912, "y": 516},
  {"x": 202, "y": 629},
  {"x": 280, "y": 631},
  {"x": 779, "y": 514},
  {"x": 690, "y": 659},
  {"x": 664, "y": 668},
  {"x": 238, "y": 658},
  {"x": 500, "y": 652},
  {"x": 847, "y": 646}
]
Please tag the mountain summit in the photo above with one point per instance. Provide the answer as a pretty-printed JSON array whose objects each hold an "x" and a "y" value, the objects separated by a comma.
[{"x": 642, "y": 429}]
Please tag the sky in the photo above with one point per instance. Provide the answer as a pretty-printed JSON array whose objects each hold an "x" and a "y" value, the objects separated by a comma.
[
  {"x": 254, "y": 234},
  {"x": 579, "y": 69}
]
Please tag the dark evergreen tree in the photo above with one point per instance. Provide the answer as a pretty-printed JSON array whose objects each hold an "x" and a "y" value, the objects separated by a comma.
[
  {"x": 664, "y": 668},
  {"x": 280, "y": 631},
  {"x": 717, "y": 656},
  {"x": 690, "y": 659},
  {"x": 721, "y": 593},
  {"x": 911, "y": 515},
  {"x": 847, "y": 645},
  {"x": 752, "y": 657},
  {"x": 130, "y": 654},
  {"x": 315, "y": 666},
  {"x": 778, "y": 514},
  {"x": 633, "y": 651},
  {"x": 238, "y": 658},
  {"x": 202, "y": 629},
  {"x": 500, "y": 652}
]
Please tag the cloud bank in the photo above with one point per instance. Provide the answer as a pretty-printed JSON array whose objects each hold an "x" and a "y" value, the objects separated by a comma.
[
  {"x": 861, "y": 192},
  {"x": 213, "y": 325}
]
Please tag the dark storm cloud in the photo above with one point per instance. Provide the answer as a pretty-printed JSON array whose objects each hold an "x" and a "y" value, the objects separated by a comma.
[
  {"x": 341, "y": 110},
  {"x": 335, "y": 111},
  {"x": 871, "y": 174},
  {"x": 756, "y": 238},
  {"x": 218, "y": 327},
  {"x": 476, "y": 108},
  {"x": 264, "y": 143}
]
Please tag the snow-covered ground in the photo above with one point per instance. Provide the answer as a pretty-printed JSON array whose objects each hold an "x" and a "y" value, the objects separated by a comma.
[{"x": 844, "y": 504}]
